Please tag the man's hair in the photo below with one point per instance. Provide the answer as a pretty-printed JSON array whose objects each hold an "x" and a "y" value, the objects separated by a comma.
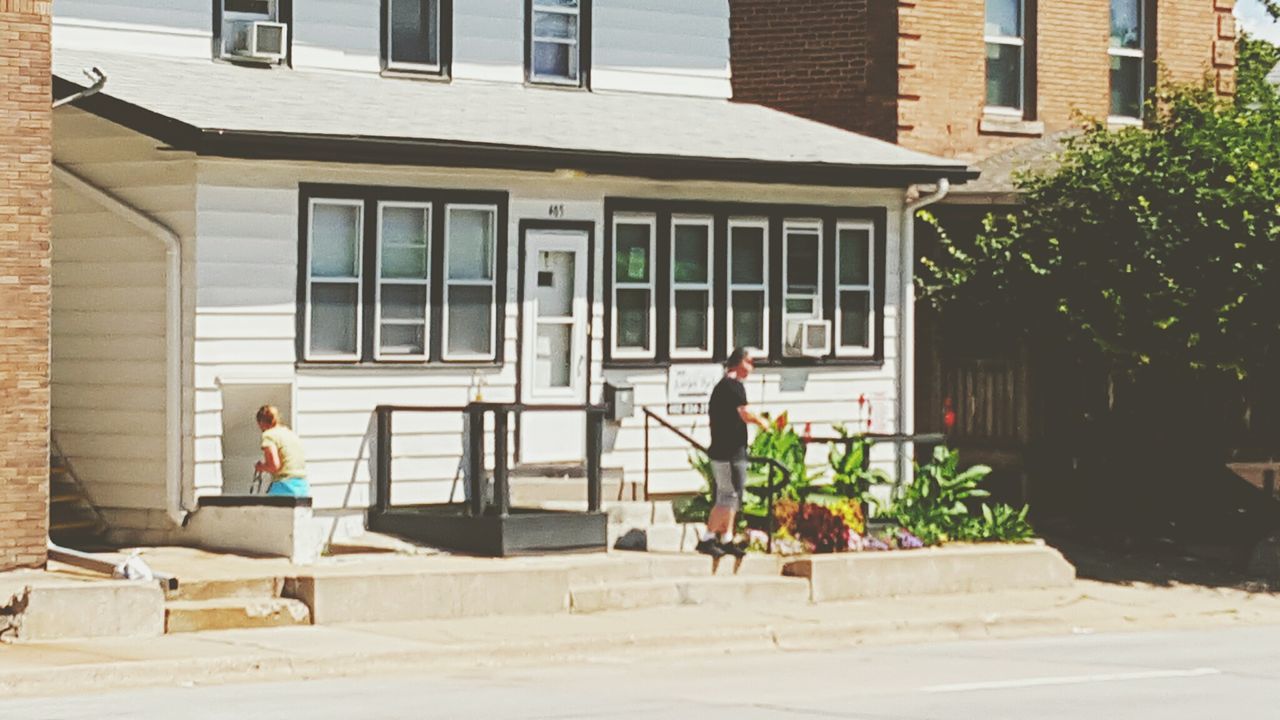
[
  {"x": 268, "y": 415},
  {"x": 736, "y": 357}
]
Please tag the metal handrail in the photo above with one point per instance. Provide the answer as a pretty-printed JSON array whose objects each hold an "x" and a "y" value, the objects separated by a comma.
[{"x": 773, "y": 464}]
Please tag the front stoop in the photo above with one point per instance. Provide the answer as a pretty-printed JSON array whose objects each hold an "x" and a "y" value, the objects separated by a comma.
[
  {"x": 735, "y": 591},
  {"x": 232, "y": 613}
]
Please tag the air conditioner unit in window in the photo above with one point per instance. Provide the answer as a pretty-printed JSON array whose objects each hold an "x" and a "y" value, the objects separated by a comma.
[
  {"x": 808, "y": 338},
  {"x": 259, "y": 40}
]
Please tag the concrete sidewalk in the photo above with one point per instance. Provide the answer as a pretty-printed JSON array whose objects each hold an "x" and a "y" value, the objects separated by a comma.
[{"x": 318, "y": 651}]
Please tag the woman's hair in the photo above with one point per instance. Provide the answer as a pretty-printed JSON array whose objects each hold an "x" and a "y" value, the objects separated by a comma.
[{"x": 268, "y": 415}]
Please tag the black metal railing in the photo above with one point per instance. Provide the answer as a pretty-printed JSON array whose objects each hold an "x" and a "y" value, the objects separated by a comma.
[
  {"x": 476, "y": 414},
  {"x": 768, "y": 491}
]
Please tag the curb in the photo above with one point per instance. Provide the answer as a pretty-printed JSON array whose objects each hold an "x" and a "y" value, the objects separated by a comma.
[{"x": 103, "y": 677}]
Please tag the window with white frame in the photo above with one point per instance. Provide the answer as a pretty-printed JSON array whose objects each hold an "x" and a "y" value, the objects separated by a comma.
[
  {"x": 400, "y": 275},
  {"x": 556, "y": 40},
  {"x": 1128, "y": 58},
  {"x": 334, "y": 244},
  {"x": 414, "y": 35},
  {"x": 855, "y": 288},
  {"x": 749, "y": 284},
  {"x": 691, "y": 275},
  {"x": 233, "y": 14},
  {"x": 404, "y": 290},
  {"x": 1006, "y": 54},
  {"x": 802, "y": 270},
  {"x": 469, "y": 282},
  {"x": 633, "y": 286}
]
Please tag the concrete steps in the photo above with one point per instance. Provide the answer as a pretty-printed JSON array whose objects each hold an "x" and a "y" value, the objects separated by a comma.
[
  {"x": 730, "y": 591},
  {"x": 225, "y": 604},
  {"x": 639, "y": 525},
  {"x": 234, "y": 613}
]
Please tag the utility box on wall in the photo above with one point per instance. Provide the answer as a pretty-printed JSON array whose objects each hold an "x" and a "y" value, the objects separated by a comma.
[{"x": 621, "y": 401}]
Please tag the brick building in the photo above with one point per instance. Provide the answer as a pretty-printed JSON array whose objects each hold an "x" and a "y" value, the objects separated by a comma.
[
  {"x": 25, "y": 141},
  {"x": 971, "y": 78},
  {"x": 998, "y": 84}
]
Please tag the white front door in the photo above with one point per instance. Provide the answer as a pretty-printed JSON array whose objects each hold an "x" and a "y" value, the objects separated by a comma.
[{"x": 553, "y": 352}]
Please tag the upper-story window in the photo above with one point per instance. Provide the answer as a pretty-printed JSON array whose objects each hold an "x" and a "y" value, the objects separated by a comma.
[
  {"x": 558, "y": 41},
  {"x": 416, "y": 35},
  {"x": 251, "y": 30},
  {"x": 1128, "y": 53},
  {"x": 1006, "y": 39}
]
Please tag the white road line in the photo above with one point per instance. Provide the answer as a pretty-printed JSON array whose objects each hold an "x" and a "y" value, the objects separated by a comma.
[{"x": 1070, "y": 680}]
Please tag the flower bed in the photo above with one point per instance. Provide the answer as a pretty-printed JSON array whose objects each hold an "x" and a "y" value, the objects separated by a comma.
[{"x": 824, "y": 509}]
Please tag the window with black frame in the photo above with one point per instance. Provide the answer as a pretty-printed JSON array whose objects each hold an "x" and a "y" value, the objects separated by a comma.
[
  {"x": 557, "y": 41},
  {"x": 416, "y": 35},
  {"x": 420, "y": 282}
]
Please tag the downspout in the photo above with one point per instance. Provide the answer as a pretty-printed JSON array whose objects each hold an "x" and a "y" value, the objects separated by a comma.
[
  {"x": 907, "y": 324},
  {"x": 99, "y": 79},
  {"x": 179, "y": 501}
]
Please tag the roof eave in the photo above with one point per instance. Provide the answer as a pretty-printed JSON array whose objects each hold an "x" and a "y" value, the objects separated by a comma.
[{"x": 404, "y": 151}]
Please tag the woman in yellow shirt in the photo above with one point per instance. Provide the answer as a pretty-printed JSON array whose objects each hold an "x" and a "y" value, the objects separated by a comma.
[{"x": 281, "y": 456}]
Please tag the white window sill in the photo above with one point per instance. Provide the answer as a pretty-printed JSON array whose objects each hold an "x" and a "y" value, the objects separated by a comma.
[
  {"x": 999, "y": 122},
  {"x": 1115, "y": 122}
]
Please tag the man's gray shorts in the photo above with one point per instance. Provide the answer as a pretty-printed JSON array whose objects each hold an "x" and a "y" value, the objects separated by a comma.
[{"x": 731, "y": 479}]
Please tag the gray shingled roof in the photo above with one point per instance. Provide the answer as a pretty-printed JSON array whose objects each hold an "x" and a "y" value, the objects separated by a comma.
[
  {"x": 223, "y": 97},
  {"x": 998, "y": 171}
]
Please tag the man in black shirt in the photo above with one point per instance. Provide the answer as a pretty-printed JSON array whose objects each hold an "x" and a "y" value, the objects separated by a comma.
[{"x": 728, "y": 453}]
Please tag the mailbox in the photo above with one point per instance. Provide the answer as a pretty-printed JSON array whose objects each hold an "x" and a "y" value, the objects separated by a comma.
[{"x": 621, "y": 401}]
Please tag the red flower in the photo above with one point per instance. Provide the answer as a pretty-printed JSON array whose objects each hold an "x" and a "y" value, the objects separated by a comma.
[
  {"x": 948, "y": 415},
  {"x": 808, "y": 430},
  {"x": 781, "y": 424}
]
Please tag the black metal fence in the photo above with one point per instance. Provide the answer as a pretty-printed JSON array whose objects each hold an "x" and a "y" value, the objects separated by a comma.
[{"x": 476, "y": 415}]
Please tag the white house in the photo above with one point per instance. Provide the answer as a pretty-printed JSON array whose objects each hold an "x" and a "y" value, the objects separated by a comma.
[{"x": 332, "y": 205}]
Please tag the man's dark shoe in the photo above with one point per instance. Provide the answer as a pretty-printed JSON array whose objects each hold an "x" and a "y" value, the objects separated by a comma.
[
  {"x": 734, "y": 549},
  {"x": 710, "y": 547}
]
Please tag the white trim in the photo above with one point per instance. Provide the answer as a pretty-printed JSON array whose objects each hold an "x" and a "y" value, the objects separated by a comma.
[
  {"x": 841, "y": 350},
  {"x": 805, "y": 226},
  {"x": 616, "y": 352},
  {"x": 762, "y": 287},
  {"x": 424, "y": 283},
  {"x": 575, "y": 242},
  {"x": 575, "y": 60},
  {"x": 425, "y": 68},
  {"x": 1019, "y": 41},
  {"x": 706, "y": 287},
  {"x": 491, "y": 283},
  {"x": 1139, "y": 53},
  {"x": 357, "y": 280}
]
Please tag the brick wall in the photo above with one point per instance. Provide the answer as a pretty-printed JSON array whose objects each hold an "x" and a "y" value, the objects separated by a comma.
[
  {"x": 25, "y": 197},
  {"x": 841, "y": 62},
  {"x": 828, "y": 60}
]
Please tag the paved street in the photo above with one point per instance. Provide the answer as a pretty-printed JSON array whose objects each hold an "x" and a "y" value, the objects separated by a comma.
[{"x": 1171, "y": 676}]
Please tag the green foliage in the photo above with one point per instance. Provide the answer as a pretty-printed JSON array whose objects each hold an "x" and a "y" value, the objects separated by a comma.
[
  {"x": 998, "y": 523},
  {"x": 1154, "y": 246},
  {"x": 850, "y": 480},
  {"x": 1255, "y": 57},
  {"x": 933, "y": 506}
]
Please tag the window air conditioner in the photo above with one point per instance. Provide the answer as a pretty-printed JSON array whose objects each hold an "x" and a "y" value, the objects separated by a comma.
[
  {"x": 259, "y": 40},
  {"x": 808, "y": 338}
]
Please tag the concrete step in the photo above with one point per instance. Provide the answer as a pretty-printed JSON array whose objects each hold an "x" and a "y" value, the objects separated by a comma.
[
  {"x": 215, "y": 589},
  {"x": 534, "y": 491},
  {"x": 660, "y": 537},
  {"x": 624, "y": 567},
  {"x": 733, "y": 591},
  {"x": 621, "y": 512},
  {"x": 230, "y": 613}
]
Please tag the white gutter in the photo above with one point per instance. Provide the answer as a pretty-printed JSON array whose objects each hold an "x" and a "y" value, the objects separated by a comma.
[
  {"x": 907, "y": 324},
  {"x": 179, "y": 498}
]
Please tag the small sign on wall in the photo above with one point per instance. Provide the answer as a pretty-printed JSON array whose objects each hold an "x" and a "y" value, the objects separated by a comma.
[{"x": 689, "y": 388}]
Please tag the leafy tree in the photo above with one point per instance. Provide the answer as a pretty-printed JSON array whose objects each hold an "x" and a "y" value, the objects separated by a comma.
[
  {"x": 1155, "y": 246},
  {"x": 1255, "y": 57}
]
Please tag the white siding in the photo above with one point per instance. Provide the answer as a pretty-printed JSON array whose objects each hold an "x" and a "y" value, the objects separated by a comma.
[
  {"x": 488, "y": 40},
  {"x": 664, "y": 46},
  {"x": 108, "y": 344},
  {"x": 245, "y": 327},
  {"x": 172, "y": 27}
]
